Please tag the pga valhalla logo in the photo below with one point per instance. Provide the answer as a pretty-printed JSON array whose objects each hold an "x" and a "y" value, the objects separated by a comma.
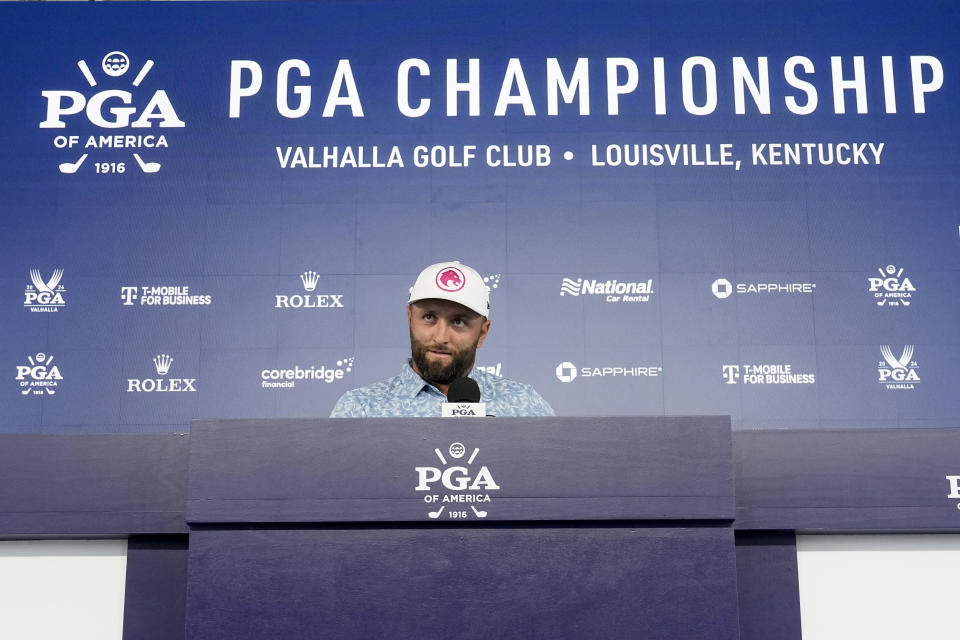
[
  {"x": 161, "y": 364},
  {"x": 40, "y": 377},
  {"x": 121, "y": 112},
  {"x": 891, "y": 288},
  {"x": 44, "y": 295},
  {"x": 456, "y": 484},
  {"x": 898, "y": 372}
]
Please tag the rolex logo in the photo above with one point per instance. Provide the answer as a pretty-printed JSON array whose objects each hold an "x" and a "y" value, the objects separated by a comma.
[
  {"x": 162, "y": 362},
  {"x": 309, "y": 279}
]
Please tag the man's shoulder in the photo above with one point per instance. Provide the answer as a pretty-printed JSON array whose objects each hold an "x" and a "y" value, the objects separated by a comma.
[
  {"x": 500, "y": 384},
  {"x": 363, "y": 401},
  {"x": 377, "y": 389},
  {"x": 509, "y": 397}
]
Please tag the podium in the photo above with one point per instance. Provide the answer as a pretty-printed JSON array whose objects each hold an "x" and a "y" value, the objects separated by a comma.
[{"x": 462, "y": 528}]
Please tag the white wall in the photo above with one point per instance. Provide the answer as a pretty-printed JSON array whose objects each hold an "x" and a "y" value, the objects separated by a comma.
[
  {"x": 62, "y": 589},
  {"x": 879, "y": 587}
]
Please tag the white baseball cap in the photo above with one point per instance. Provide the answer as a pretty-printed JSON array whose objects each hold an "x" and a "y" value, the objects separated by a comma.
[{"x": 454, "y": 282}]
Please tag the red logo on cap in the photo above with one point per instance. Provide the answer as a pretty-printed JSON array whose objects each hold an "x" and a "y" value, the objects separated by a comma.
[{"x": 451, "y": 279}]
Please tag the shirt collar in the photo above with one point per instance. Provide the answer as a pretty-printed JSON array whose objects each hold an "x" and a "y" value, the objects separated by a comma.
[{"x": 413, "y": 384}]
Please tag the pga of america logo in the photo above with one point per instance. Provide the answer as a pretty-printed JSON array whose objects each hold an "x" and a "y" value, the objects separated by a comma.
[
  {"x": 898, "y": 372},
  {"x": 108, "y": 104},
  {"x": 161, "y": 384},
  {"x": 40, "y": 377},
  {"x": 892, "y": 288},
  {"x": 456, "y": 485},
  {"x": 568, "y": 372},
  {"x": 308, "y": 299},
  {"x": 610, "y": 290},
  {"x": 44, "y": 295},
  {"x": 723, "y": 288}
]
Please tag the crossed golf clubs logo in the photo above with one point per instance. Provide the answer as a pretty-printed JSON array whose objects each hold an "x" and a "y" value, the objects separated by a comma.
[
  {"x": 114, "y": 64},
  {"x": 460, "y": 483}
]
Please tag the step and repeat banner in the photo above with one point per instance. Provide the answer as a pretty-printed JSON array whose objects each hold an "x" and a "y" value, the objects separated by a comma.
[{"x": 743, "y": 208}]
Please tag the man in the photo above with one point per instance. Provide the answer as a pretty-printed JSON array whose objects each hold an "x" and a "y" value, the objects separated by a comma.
[{"x": 449, "y": 316}]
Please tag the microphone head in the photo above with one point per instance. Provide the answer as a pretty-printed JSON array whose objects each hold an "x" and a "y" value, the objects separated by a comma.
[{"x": 463, "y": 390}]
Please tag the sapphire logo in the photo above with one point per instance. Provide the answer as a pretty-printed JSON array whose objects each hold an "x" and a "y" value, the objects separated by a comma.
[
  {"x": 44, "y": 295},
  {"x": 456, "y": 484},
  {"x": 898, "y": 372},
  {"x": 892, "y": 288},
  {"x": 161, "y": 364},
  {"x": 115, "y": 108},
  {"x": 451, "y": 279},
  {"x": 309, "y": 280},
  {"x": 568, "y": 372},
  {"x": 723, "y": 288},
  {"x": 611, "y": 290},
  {"x": 41, "y": 377}
]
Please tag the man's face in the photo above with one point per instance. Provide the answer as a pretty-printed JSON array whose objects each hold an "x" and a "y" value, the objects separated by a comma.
[{"x": 444, "y": 337}]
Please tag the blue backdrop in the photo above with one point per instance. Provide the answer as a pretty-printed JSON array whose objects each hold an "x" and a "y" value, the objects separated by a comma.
[{"x": 772, "y": 185}]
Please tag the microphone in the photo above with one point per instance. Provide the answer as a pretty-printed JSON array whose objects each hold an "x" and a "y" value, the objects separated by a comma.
[
  {"x": 463, "y": 400},
  {"x": 463, "y": 390}
]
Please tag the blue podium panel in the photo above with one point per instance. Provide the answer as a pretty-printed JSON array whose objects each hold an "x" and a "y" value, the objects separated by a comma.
[
  {"x": 481, "y": 581},
  {"x": 92, "y": 485},
  {"x": 863, "y": 479},
  {"x": 347, "y": 470},
  {"x": 466, "y": 528}
]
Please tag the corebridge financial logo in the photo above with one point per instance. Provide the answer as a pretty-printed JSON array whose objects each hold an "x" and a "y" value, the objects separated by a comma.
[
  {"x": 456, "y": 485},
  {"x": 568, "y": 372},
  {"x": 162, "y": 296},
  {"x": 892, "y": 288},
  {"x": 723, "y": 288},
  {"x": 309, "y": 300},
  {"x": 161, "y": 384},
  {"x": 39, "y": 377},
  {"x": 44, "y": 295},
  {"x": 609, "y": 290},
  {"x": 288, "y": 378},
  {"x": 112, "y": 118}
]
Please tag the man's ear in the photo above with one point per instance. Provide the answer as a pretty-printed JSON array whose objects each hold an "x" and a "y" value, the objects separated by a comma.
[{"x": 484, "y": 328}]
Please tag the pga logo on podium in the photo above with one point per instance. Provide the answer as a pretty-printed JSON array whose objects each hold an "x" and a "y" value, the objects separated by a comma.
[{"x": 461, "y": 485}]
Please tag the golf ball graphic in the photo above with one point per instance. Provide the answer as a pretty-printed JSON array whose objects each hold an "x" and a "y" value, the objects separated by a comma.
[
  {"x": 115, "y": 63},
  {"x": 457, "y": 450}
]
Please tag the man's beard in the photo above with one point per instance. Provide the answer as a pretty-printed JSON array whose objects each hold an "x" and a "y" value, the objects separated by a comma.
[{"x": 438, "y": 373}]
